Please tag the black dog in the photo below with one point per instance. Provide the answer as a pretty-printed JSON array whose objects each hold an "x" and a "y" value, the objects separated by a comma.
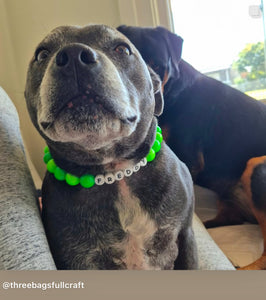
[
  {"x": 213, "y": 128},
  {"x": 93, "y": 99}
]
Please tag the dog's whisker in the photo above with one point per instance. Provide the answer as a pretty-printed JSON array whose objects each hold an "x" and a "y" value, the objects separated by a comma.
[{"x": 45, "y": 125}]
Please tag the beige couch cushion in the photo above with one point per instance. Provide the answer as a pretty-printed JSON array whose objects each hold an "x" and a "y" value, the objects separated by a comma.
[{"x": 242, "y": 244}]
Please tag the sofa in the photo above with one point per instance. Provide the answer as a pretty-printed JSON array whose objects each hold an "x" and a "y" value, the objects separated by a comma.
[
  {"x": 23, "y": 244},
  {"x": 242, "y": 244}
]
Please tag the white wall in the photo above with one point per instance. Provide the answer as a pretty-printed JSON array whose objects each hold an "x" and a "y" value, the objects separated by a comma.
[
  {"x": 23, "y": 23},
  {"x": 8, "y": 72}
]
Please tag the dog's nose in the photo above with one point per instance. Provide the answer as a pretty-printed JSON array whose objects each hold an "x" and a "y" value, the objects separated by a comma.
[{"x": 79, "y": 54}]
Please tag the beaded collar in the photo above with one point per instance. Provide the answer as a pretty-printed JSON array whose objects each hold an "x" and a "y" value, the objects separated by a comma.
[{"x": 88, "y": 180}]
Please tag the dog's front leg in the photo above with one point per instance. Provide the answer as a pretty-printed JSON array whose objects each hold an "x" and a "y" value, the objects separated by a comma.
[{"x": 187, "y": 251}]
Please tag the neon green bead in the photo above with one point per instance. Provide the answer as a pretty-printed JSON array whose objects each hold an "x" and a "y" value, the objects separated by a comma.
[
  {"x": 87, "y": 181},
  {"x": 158, "y": 129},
  {"x": 51, "y": 166},
  {"x": 46, "y": 149},
  {"x": 156, "y": 146},
  {"x": 59, "y": 174},
  {"x": 151, "y": 155},
  {"x": 159, "y": 137},
  {"x": 72, "y": 179},
  {"x": 47, "y": 157}
]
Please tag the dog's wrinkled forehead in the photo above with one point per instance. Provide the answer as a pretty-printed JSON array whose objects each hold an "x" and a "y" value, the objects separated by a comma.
[{"x": 98, "y": 36}]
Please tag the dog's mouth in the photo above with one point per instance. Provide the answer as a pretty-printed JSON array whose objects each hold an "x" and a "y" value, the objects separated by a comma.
[
  {"x": 88, "y": 107},
  {"x": 90, "y": 120}
]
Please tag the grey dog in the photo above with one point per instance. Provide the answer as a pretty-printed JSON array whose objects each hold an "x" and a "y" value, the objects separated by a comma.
[{"x": 93, "y": 99}]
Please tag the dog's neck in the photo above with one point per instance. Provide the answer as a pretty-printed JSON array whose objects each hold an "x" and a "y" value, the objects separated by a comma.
[{"x": 112, "y": 172}]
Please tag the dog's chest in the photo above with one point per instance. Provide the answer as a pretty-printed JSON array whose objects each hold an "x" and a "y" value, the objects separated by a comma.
[
  {"x": 147, "y": 245},
  {"x": 138, "y": 226}
]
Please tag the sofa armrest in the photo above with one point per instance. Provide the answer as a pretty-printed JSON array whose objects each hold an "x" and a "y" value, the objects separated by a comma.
[{"x": 23, "y": 244}]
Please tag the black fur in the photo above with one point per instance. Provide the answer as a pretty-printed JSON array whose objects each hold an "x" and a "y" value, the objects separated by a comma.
[{"x": 213, "y": 128}]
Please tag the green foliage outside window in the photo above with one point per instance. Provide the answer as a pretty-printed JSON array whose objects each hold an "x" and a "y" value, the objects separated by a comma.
[{"x": 250, "y": 63}]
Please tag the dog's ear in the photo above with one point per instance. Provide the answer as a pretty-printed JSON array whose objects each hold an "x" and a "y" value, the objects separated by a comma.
[
  {"x": 174, "y": 47},
  {"x": 158, "y": 95}
]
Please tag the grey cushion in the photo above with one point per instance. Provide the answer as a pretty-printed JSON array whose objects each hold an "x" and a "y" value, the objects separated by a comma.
[
  {"x": 210, "y": 255},
  {"x": 23, "y": 243}
]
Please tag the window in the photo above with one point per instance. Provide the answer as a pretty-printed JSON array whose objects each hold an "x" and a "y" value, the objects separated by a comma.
[{"x": 224, "y": 40}]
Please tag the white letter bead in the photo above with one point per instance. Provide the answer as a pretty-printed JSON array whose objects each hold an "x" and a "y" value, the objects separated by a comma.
[
  {"x": 109, "y": 178},
  {"x": 128, "y": 172},
  {"x": 143, "y": 162},
  {"x": 136, "y": 167},
  {"x": 119, "y": 175},
  {"x": 99, "y": 179}
]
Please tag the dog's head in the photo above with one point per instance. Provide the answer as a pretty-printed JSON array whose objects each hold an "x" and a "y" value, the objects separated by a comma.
[
  {"x": 160, "y": 48},
  {"x": 88, "y": 88}
]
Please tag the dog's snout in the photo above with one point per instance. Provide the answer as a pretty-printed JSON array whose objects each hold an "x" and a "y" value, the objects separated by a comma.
[{"x": 79, "y": 54}]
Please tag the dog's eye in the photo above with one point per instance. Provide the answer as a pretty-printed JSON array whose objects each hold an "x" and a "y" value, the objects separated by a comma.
[
  {"x": 41, "y": 54},
  {"x": 123, "y": 49}
]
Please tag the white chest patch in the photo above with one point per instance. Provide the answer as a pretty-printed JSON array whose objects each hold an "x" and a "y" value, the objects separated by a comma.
[{"x": 139, "y": 227}]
